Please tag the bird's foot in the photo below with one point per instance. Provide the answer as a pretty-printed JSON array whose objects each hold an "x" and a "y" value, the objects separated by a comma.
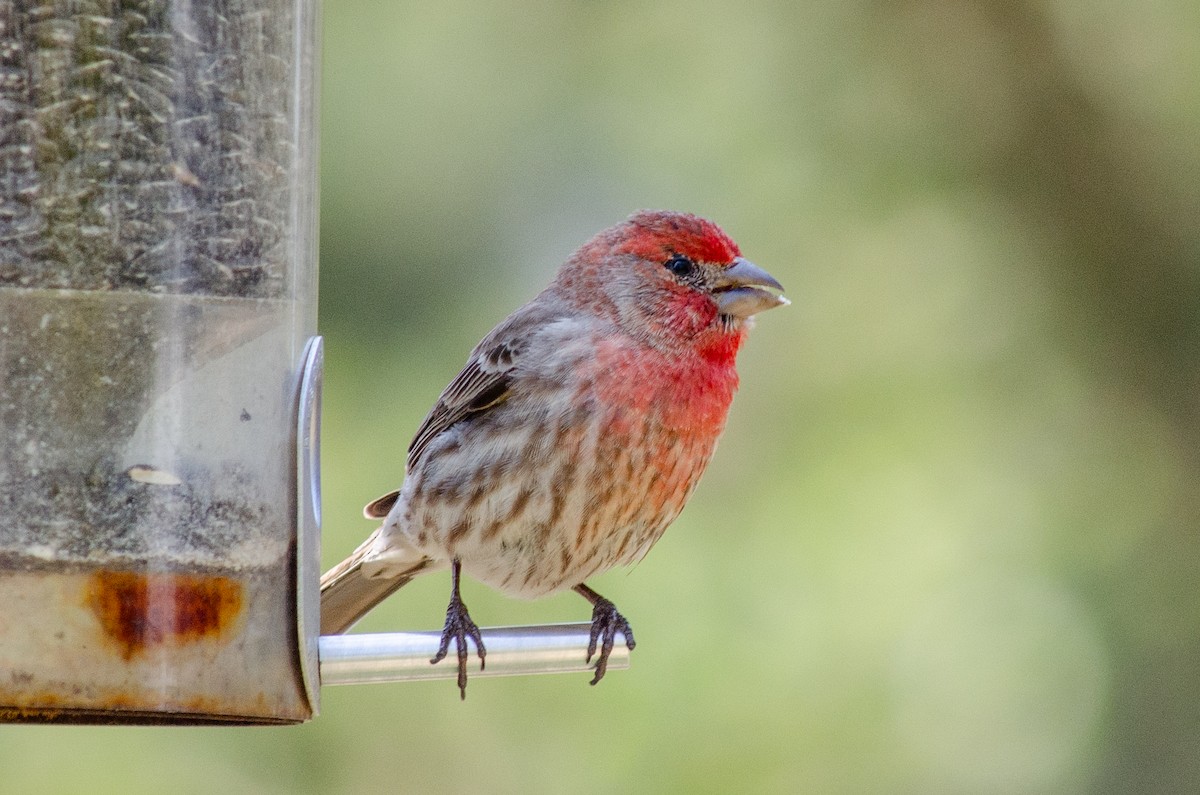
[
  {"x": 459, "y": 627},
  {"x": 606, "y": 623}
]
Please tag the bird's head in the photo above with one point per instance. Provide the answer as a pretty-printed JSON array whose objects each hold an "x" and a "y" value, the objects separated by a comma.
[{"x": 670, "y": 278}]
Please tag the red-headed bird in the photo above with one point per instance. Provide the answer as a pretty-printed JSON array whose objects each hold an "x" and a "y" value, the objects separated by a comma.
[{"x": 574, "y": 434}]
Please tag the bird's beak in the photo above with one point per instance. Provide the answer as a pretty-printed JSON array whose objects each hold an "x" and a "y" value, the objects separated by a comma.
[{"x": 739, "y": 292}]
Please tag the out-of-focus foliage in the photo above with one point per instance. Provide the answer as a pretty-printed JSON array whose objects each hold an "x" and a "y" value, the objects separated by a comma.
[{"x": 950, "y": 541}]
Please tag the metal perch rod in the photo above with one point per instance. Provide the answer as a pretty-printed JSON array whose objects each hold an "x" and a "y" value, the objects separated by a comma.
[{"x": 511, "y": 651}]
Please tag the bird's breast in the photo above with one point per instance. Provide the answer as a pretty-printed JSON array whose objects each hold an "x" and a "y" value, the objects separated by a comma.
[{"x": 685, "y": 395}]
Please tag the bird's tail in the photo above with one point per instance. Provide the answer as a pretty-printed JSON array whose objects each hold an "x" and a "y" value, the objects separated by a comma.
[{"x": 348, "y": 592}]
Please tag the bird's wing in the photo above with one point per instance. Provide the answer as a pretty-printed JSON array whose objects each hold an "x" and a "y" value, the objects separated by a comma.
[
  {"x": 485, "y": 382},
  {"x": 482, "y": 384},
  {"x": 487, "y": 379},
  {"x": 379, "y": 508}
]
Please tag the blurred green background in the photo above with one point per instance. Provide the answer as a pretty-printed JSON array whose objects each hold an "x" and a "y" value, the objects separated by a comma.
[{"x": 949, "y": 542}]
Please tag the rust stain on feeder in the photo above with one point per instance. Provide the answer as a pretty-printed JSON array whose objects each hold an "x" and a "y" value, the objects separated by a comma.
[{"x": 138, "y": 611}]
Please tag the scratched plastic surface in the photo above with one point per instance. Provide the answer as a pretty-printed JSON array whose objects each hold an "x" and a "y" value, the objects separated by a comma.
[{"x": 157, "y": 286}]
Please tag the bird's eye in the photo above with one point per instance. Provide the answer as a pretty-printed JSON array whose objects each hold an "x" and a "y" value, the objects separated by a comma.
[{"x": 680, "y": 265}]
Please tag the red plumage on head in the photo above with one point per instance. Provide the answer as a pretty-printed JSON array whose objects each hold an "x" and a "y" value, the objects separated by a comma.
[{"x": 656, "y": 234}]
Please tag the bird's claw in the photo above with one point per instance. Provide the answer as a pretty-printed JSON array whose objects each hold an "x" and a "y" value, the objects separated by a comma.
[
  {"x": 606, "y": 623},
  {"x": 459, "y": 627}
]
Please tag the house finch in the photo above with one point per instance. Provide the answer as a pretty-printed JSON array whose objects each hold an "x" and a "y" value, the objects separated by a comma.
[{"x": 574, "y": 434}]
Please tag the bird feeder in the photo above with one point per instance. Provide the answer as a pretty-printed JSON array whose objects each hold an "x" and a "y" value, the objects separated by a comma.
[{"x": 157, "y": 313}]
